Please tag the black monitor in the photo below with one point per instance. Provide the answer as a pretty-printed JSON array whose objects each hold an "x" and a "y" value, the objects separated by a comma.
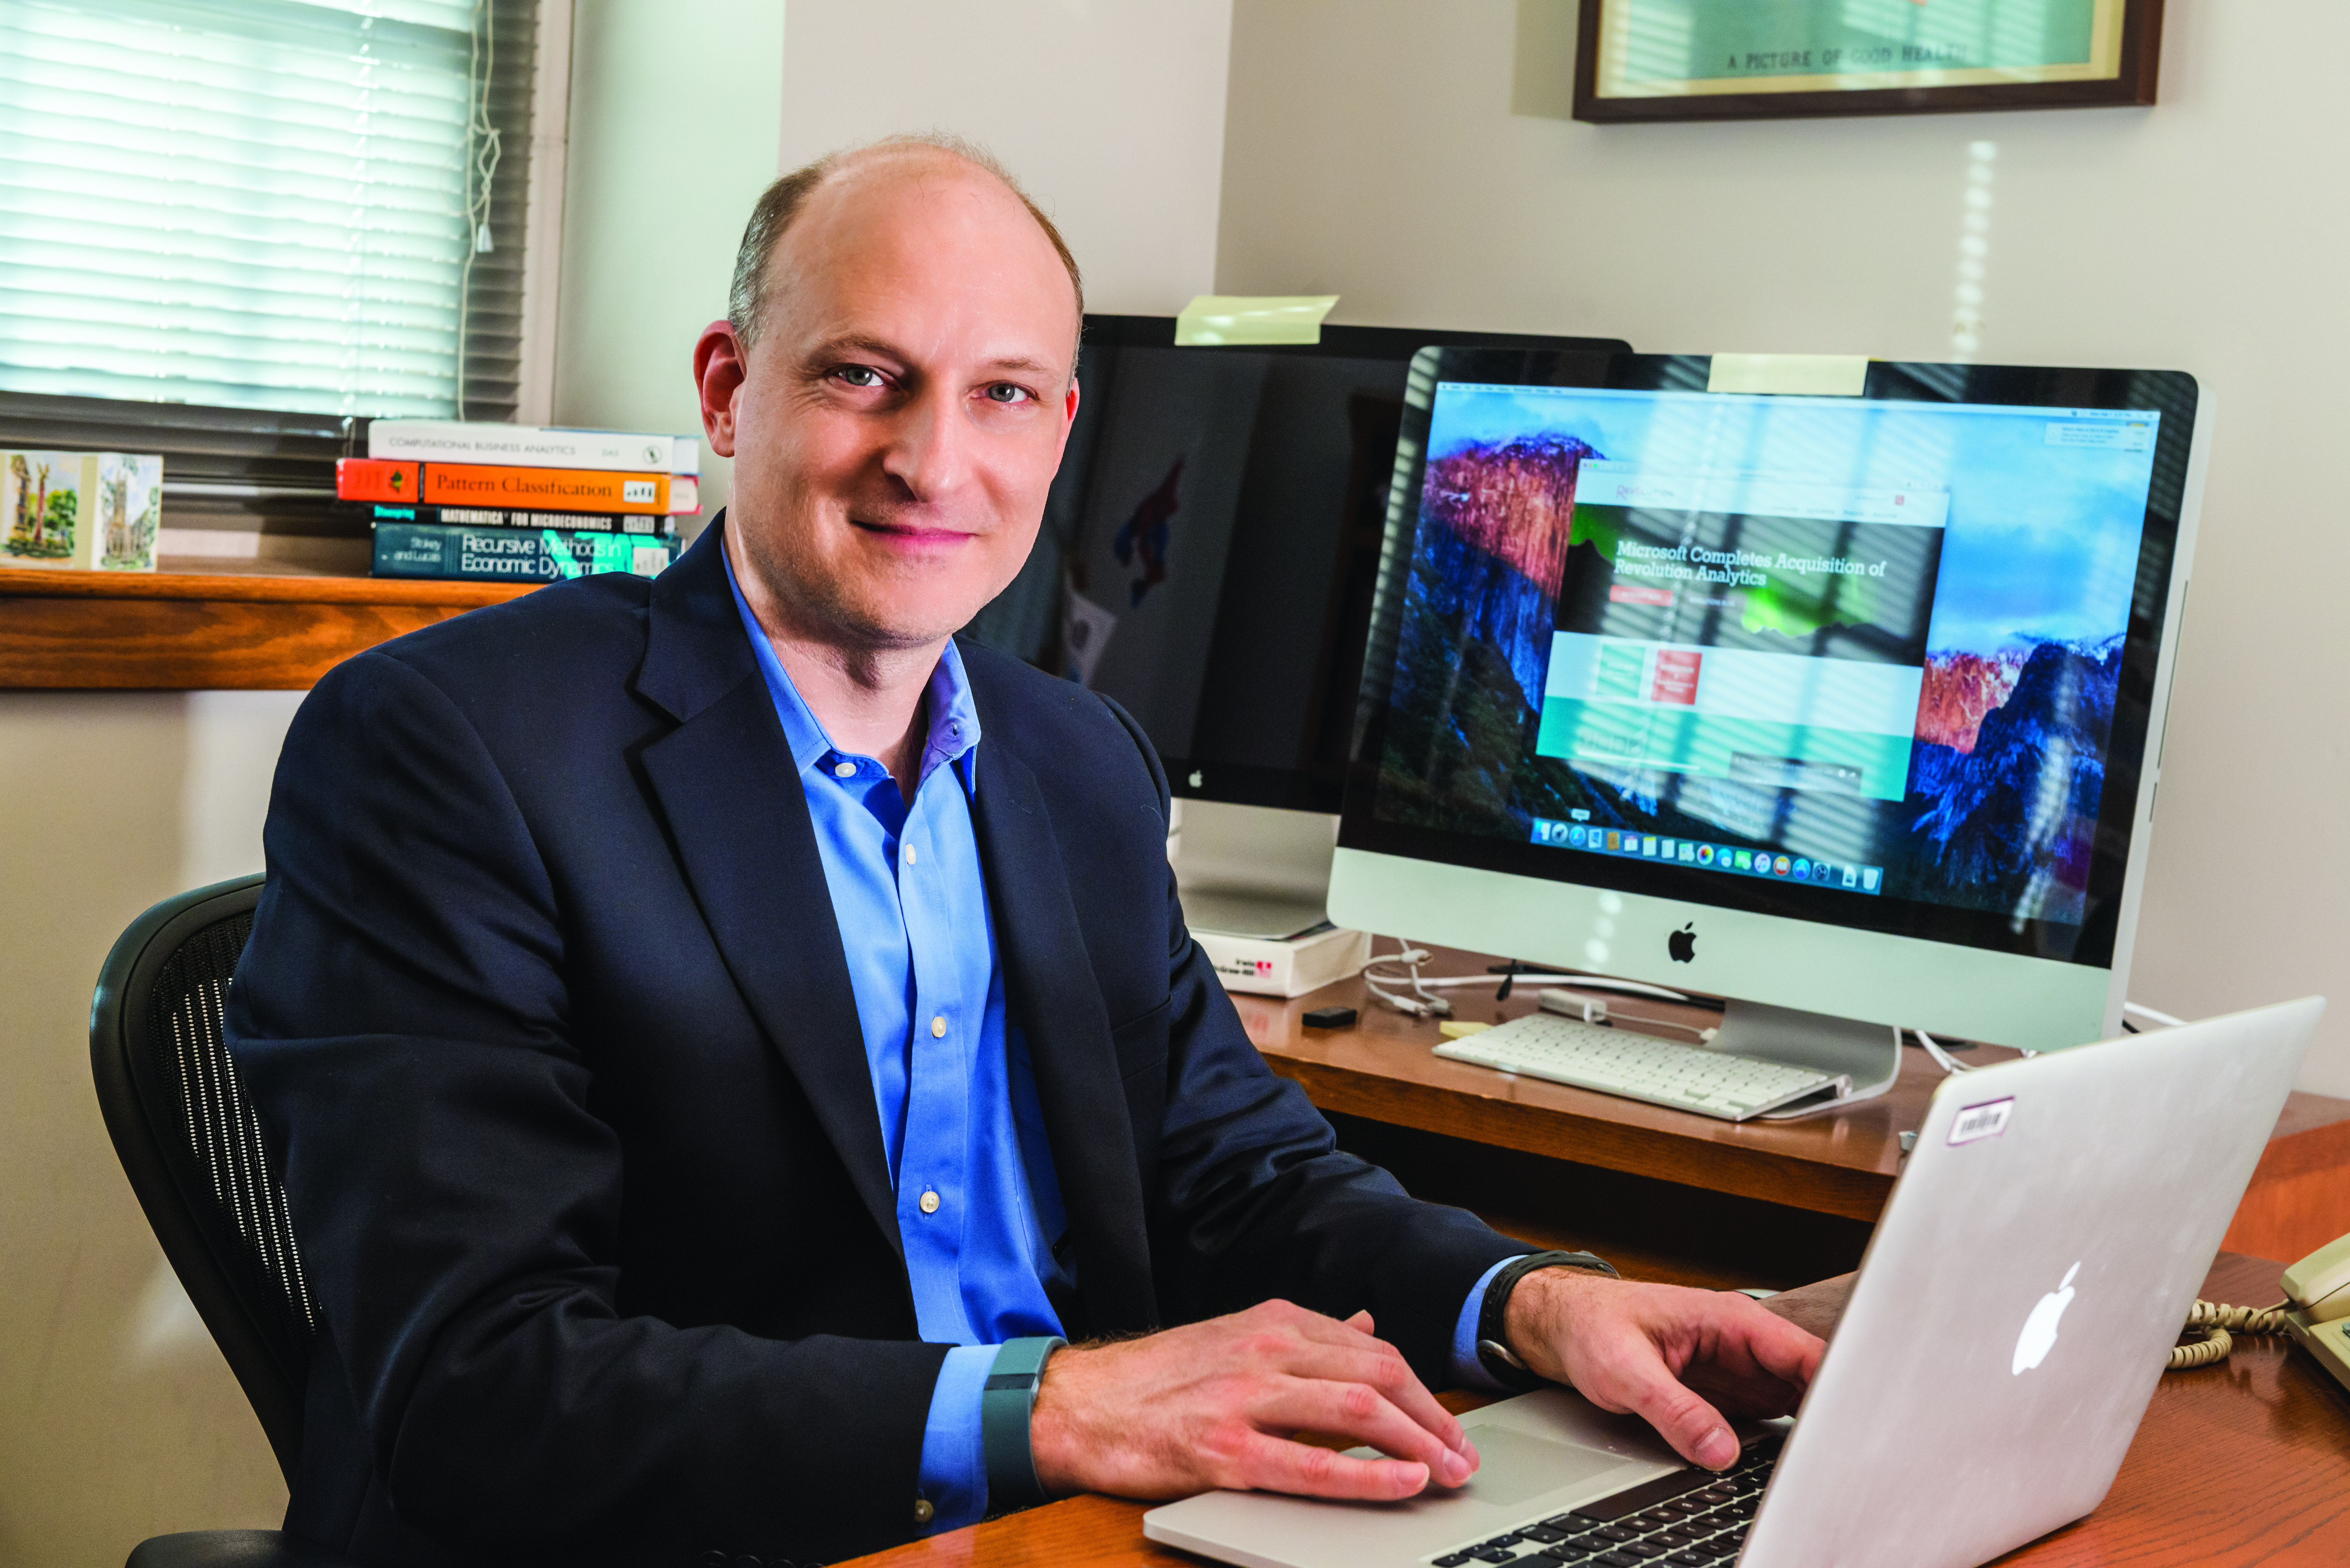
[{"x": 1210, "y": 546}]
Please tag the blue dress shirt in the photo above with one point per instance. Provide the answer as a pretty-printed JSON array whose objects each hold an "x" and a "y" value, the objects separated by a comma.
[{"x": 978, "y": 1205}]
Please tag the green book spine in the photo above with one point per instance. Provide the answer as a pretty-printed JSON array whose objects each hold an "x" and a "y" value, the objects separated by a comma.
[{"x": 514, "y": 555}]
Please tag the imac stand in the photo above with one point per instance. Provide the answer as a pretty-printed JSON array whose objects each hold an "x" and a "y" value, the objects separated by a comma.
[
  {"x": 1867, "y": 1054},
  {"x": 1252, "y": 870}
]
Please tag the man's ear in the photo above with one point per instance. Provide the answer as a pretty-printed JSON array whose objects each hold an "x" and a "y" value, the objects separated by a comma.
[{"x": 720, "y": 363}]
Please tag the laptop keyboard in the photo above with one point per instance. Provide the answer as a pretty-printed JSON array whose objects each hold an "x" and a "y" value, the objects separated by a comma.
[{"x": 1690, "y": 1518}]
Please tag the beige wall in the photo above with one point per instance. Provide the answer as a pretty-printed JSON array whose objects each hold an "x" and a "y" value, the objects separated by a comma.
[
  {"x": 1111, "y": 114},
  {"x": 118, "y": 1419},
  {"x": 1414, "y": 158},
  {"x": 674, "y": 105}
]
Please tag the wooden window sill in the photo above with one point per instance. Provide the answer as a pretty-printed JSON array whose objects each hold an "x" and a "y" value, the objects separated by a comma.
[{"x": 266, "y": 628}]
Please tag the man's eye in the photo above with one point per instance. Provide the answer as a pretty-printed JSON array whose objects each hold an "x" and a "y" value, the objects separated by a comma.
[
  {"x": 1007, "y": 392},
  {"x": 859, "y": 375}
]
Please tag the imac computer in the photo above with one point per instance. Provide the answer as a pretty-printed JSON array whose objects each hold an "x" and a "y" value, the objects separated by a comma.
[
  {"x": 1844, "y": 708},
  {"x": 1207, "y": 559}
]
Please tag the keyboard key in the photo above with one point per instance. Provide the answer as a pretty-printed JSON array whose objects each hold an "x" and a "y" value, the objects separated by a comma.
[
  {"x": 1511, "y": 1539},
  {"x": 1689, "y": 1560},
  {"x": 1615, "y": 1559},
  {"x": 1542, "y": 1534},
  {"x": 1452, "y": 1560},
  {"x": 1644, "y": 1550},
  {"x": 1492, "y": 1555}
]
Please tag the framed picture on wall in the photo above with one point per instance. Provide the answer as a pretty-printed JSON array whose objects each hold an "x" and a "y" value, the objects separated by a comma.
[{"x": 1756, "y": 59}]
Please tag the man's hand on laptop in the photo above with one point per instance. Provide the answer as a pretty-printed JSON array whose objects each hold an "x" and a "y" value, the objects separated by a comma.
[
  {"x": 1214, "y": 1404},
  {"x": 1681, "y": 1359}
]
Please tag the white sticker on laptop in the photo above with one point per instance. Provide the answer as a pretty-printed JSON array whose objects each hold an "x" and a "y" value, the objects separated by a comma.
[{"x": 1978, "y": 1122}]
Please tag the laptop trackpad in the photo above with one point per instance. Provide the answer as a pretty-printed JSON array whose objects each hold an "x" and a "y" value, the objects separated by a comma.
[{"x": 1515, "y": 1465}]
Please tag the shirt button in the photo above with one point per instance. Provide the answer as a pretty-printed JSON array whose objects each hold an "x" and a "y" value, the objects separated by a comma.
[
  {"x": 923, "y": 1510},
  {"x": 909, "y": 854},
  {"x": 939, "y": 1027},
  {"x": 930, "y": 1202},
  {"x": 844, "y": 769}
]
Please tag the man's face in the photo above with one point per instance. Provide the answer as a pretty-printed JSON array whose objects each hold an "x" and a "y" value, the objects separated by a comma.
[{"x": 901, "y": 418}]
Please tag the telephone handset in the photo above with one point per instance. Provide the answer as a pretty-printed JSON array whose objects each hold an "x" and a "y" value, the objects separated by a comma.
[
  {"x": 2319, "y": 1285},
  {"x": 2315, "y": 1313}
]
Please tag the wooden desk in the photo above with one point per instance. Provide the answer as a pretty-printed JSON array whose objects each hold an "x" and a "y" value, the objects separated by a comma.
[
  {"x": 2241, "y": 1464},
  {"x": 1829, "y": 1170}
]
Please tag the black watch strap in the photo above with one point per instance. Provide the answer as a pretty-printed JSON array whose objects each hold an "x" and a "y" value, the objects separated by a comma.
[
  {"x": 1006, "y": 1401},
  {"x": 1494, "y": 1352}
]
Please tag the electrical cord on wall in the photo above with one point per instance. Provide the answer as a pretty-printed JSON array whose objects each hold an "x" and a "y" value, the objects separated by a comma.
[{"x": 481, "y": 167}]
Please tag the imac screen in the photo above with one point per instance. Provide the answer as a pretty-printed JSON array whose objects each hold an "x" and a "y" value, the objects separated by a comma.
[{"x": 1856, "y": 659}]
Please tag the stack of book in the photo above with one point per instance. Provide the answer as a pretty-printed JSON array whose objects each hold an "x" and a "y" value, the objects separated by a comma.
[{"x": 517, "y": 502}]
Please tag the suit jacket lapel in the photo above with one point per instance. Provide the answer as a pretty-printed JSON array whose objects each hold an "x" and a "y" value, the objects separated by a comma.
[
  {"x": 1049, "y": 987},
  {"x": 726, "y": 784}
]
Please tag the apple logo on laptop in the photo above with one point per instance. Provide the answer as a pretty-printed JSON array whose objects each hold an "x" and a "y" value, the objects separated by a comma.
[
  {"x": 2039, "y": 1335},
  {"x": 1683, "y": 944}
]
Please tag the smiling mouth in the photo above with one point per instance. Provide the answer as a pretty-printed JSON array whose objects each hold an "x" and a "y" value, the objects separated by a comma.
[{"x": 908, "y": 534}]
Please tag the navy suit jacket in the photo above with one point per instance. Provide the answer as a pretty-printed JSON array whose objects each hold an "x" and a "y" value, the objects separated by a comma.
[{"x": 547, "y": 1018}]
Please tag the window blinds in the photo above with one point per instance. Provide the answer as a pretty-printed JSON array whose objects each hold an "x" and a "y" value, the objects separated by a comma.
[{"x": 263, "y": 203}]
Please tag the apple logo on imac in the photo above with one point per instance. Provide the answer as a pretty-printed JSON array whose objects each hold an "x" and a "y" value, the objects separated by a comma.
[
  {"x": 1683, "y": 944},
  {"x": 2039, "y": 1335}
]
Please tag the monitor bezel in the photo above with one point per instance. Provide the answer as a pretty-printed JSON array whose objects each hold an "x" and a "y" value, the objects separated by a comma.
[
  {"x": 2132, "y": 740},
  {"x": 1299, "y": 789}
]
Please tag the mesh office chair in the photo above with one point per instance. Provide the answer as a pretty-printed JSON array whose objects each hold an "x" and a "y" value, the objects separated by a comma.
[{"x": 190, "y": 1145}]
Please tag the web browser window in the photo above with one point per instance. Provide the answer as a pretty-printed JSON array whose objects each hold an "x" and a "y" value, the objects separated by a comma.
[{"x": 1872, "y": 647}]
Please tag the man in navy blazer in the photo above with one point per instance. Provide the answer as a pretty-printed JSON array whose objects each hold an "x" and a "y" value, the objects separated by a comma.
[{"x": 573, "y": 1077}]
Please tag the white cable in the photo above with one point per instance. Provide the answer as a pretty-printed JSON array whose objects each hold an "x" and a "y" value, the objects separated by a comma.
[
  {"x": 1942, "y": 1059},
  {"x": 1382, "y": 983},
  {"x": 2132, "y": 1010},
  {"x": 481, "y": 167}
]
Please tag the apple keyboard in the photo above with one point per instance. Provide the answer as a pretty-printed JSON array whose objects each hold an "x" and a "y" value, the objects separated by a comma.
[{"x": 1640, "y": 1067}]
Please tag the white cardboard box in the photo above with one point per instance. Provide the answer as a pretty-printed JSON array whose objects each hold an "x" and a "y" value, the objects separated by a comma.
[{"x": 1290, "y": 968}]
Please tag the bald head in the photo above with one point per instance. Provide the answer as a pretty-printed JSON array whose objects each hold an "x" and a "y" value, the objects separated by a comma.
[{"x": 842, "y": 181}]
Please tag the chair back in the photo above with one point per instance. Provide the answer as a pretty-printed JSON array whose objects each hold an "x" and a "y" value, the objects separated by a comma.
[{"x": 191, "y": 1146}]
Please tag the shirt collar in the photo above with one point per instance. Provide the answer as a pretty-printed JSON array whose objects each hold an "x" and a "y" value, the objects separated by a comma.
[{"x": 954, "y": 722}]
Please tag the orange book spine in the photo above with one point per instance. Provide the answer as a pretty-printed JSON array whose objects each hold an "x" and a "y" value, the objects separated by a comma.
[
  {"x": 551, "y": 489},
  {"x": 375, "y": 479}
]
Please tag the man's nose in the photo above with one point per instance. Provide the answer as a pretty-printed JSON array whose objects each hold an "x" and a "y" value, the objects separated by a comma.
[{"x": 931, "y": 450}]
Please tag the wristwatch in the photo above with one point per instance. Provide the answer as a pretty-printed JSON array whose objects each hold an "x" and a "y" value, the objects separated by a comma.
[
  {"x": 1006, "y": 1401},
  {"x": 1494, "y": 1352}
]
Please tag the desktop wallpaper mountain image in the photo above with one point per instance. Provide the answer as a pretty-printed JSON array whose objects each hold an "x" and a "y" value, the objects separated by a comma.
[{"x": 2005, "y": 778}]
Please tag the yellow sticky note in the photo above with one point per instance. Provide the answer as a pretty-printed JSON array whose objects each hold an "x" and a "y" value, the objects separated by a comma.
[
  {"x": 1222, "y": 320},
  {"x": 1461, "y": 1028},
  {"x": 1813, "y": 375}
]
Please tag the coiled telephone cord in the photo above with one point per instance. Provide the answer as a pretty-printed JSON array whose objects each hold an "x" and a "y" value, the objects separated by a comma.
[{"x": 2215, "y": 1326}]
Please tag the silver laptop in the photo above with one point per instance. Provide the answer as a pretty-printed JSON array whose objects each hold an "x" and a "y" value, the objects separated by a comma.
[{"x": 2008, "y": 1327}]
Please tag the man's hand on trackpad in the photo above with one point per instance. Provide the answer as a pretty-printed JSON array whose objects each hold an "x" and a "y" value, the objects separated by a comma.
[
  {"x": 1681, "y": 1359},
  {"x": 1213, "y": 1404}
]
